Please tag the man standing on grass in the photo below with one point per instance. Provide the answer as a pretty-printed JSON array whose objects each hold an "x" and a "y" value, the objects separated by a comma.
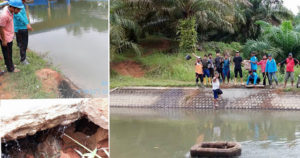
[
  {"x": 290, "y": 64},
  {"x": 206, "y": 73},
  {"x": 253, "y": 61},
  {"x": 218, "y": 64},
  {"x": 226, "y": 68},
  {"x": 7, "y": 32},
  {"x": 199, "y": 71},
  {"x": 21, "y": 26},
  {"x": 271, "y": 69},
  {"x": 262, "y": 64},
  {"x": 238, "y": 66},
  {"x": 211, "y": 65}
]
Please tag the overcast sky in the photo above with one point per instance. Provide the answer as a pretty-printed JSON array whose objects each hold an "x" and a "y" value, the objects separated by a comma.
[{"x": 292, "y": 5}]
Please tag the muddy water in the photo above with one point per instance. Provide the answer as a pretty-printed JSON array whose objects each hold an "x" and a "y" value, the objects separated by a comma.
[
  {"x": 148, "y": 133},
  {"x": 74, "y": 36}
]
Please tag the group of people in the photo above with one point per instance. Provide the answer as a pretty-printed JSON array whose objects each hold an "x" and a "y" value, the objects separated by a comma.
[
  {"x": 207, "y": 67},
  {"x": 14, "y": 22},
  {"x": 217, "y": 70}
]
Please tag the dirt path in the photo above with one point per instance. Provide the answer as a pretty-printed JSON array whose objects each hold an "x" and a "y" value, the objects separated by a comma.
[{"x": 134, "y": 69}]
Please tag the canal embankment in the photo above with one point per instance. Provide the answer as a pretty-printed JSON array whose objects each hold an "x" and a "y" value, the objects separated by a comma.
[
  {"x": 195, "y": 98},
  {"x": 39, "y": 79}
]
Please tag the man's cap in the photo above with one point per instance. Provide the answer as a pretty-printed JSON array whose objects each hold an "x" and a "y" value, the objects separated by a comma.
[{"x": 290, "y": 54}]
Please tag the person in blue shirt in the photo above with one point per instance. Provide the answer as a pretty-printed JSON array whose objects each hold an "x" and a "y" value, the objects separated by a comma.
[
  {"x": 271, "y": 69},
  {"x": 226, "y": 68},
  {"x": 253, "y": 78},
  {"x": 21, "y": 27},
  {"x": 253, "y": 61}
]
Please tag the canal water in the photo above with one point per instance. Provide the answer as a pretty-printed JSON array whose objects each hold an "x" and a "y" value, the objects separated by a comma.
[
  {"x": 168, "y": 133},
  {"x": 73, "y": 35}
]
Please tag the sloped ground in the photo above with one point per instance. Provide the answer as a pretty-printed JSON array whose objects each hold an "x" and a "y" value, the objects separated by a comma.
[
  {"x": 128, "y": 68},
  {"x": 194, "y": 98}
]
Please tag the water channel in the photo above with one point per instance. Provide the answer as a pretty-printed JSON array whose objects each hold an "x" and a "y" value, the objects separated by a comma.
[
  {"x": 73, "y": 34},
  {"x": 152, "y": 133}
]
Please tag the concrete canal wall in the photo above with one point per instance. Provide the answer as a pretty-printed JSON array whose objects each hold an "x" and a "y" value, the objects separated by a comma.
[{"x": 238, "y": 98}]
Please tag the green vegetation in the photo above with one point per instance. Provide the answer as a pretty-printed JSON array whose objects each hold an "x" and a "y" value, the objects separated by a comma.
[
  {"x": 187, "y": 35},
  {"x": 25, "y": 84},
  {"x": 216, "y": 20},
  {"x": 172, "y": 70},
  {"x": 265, "y": 26},
  {"x": 276, "y": 40}
]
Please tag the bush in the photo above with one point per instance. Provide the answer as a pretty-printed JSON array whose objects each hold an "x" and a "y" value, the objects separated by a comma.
[{"x": 187, "y": 35}]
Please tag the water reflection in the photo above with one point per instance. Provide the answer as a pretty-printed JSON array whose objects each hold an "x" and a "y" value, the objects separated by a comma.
[
  {"x": 74, "y": 35},
  {"x": 165, "y": 133}
]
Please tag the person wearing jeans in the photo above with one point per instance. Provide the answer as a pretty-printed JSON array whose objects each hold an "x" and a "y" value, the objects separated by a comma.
[
  {"x": 271, "y": 69},
  {"x": 21, "y": 27},
  {"x": 7, "y": 32}
]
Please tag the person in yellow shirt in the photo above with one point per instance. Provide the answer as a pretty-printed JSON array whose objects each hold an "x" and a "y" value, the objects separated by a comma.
[{"x": 199, "y": 71}]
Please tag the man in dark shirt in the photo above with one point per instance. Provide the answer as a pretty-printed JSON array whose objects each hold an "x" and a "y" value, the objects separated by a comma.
[
  {"x": 206, "y": 73},
  {"x": 218, "y": 64},
  {"x": 238, "y": 67},
  {"x": 211, "y": 65}
]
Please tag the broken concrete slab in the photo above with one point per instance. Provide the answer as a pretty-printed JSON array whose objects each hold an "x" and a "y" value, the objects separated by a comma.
[{"x": 19, "y": 118}]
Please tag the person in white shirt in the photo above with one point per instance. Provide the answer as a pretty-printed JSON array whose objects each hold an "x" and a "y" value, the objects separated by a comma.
[{"x": 216, "y": 88}]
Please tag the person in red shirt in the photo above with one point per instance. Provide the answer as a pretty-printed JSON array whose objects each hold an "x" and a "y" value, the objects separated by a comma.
[
  {"x": 290, "y": 64},
  {"x": 262, "y": 64}
]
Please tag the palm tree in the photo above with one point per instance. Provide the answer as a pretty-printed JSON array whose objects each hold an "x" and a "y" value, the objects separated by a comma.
[
  {"x": 271, "y": 11},
  {"x": 277, "y": 40}
]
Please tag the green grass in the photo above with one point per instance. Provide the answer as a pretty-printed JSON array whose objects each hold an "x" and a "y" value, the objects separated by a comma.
[
  {"x": 171, "y": 69},
  {"x": 25, "y": 84}
]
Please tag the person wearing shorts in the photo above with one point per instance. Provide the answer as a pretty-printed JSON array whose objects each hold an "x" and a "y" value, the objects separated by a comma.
[
  {"x": 216, "y": 89},
  {"x": 290, "y": 64},
  {"x": 237, "y": 60}
]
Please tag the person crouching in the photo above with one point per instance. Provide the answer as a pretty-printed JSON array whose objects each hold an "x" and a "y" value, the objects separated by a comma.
[{"x": 253, "y": 78}]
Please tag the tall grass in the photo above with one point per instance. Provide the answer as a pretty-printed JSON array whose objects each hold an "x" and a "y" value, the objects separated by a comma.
[{"x": 171, "y": 69}]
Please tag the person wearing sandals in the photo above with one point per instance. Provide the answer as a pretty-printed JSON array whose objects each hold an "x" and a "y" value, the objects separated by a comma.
[
  {"x": 216, "y": 89},
  {"x": 7, "y": 32}
]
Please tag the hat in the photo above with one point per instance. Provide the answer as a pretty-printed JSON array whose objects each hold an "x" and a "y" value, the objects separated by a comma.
[
  {"x": 290, "y": 54},
  {"x": 16, "y": 3},
  {"x": 270, "y": 55}
]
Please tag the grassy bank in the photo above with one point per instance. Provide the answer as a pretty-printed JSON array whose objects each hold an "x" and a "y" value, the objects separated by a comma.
[
  {"x": 25, "y": 84},
  {"x": 163, "y": 68}
]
